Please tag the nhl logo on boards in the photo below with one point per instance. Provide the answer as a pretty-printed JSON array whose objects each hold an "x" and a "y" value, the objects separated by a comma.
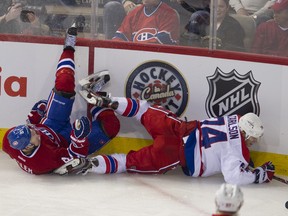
[
  {"x": 160, "y": 84},
  {"x": 232, "y": 93}
]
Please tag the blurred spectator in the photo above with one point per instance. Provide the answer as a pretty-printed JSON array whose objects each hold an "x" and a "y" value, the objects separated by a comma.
[
  {"x": 4, "y": 5},
  {"x": 230, "y": 34},
  {"x": 185, "y": 9},
  {"x": 33, "y": 20},
  {"x": 9, "y": 19},
  {"x": 258, "y": 9},
  {"x": 228, "y": 200},
  {"x": 197, "y": 28},
  {"x": 114, "y": 13},
  {"x": 152, "y": 22},
  {"x": 188, "y": 5},
  {"x": 271, "y": 37},
  {"x": 21, "y": 17}
]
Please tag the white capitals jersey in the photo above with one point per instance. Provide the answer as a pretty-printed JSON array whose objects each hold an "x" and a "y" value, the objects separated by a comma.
[{"x": 217, "y": 146}]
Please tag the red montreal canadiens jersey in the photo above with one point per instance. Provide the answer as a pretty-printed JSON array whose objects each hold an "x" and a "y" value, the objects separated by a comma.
[
  {"x": 49, "y": 155},
  {"x": 270, "y": 39},
  {"x": 161, "y": 26}
]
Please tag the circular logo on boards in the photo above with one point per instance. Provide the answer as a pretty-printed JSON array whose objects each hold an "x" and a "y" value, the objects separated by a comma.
[{"x": 160, "y": 84}]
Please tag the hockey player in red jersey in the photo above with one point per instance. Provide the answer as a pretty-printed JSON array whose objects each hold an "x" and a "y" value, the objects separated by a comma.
[
  {"x": 202, "y": 148},
  {"x": 48, "y": 140},
  {"x": 152, "y": 22}
]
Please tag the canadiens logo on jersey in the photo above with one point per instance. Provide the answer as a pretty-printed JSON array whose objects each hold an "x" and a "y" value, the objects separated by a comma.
[
  {"x": 232, "y": 93},
  {"x": 145, "y": 35},
  {"x": 160, "y": 84}
]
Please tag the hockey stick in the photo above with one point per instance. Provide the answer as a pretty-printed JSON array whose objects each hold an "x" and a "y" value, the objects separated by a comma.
[{"x": 280, "y": 179}]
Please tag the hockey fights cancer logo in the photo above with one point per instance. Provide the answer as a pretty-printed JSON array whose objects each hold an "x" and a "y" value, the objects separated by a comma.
[
  {"x": 160, "y": 84},
  {"x": 232, "y": 93}
]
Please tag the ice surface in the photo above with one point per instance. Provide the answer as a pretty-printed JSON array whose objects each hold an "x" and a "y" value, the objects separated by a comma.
[{"x": 172, "y": 194}]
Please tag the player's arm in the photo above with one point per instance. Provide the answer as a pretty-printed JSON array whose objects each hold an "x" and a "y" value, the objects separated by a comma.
[
  {"x": 264, "y": 173},
  {"x": 100, "y": 164},
  {"x": 37, "y": 112},
  {"x": 240, "y": 173}
]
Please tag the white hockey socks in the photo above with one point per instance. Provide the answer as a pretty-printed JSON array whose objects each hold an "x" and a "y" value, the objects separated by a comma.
[{"x": 108, "y": 164}]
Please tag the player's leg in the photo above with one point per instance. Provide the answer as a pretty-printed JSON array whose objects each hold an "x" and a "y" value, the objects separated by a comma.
[
  {"x": 61, "y": 98},
  {"x": 129, "y": 107},
  {"x": 108, "y": 164},
  {"x": 105, "y": 126},
  {"x": 160, "y": 157},
  {"x": 100, "y": 164},
  {"x": 160, "y": 121},
  {"x": 156, "y": 119}
]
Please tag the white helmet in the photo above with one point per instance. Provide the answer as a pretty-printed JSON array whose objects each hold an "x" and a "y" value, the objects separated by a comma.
[
  {"x": 229, "y": 198},
  {"x": 252, "y": 125}
]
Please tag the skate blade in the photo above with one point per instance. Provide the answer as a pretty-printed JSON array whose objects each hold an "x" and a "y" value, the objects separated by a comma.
[
  {"x": 94, "y": 78},
  {"x": 87, "y": 96}
]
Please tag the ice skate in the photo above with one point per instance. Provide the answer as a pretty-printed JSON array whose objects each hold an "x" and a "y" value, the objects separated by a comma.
[
  {"x": 75, "y": 166},
  {"x": 70, "y": 39},
  {"x": 91, "y": 87},
  {"x": 93, "y": 162},
  {"x": 100, "y": 99},
  {"x": 95, "y": 82}
]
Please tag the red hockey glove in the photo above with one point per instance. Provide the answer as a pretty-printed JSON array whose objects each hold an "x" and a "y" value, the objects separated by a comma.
[
  {"x": 264, "y": 173},
  {"x": 37, "y": 112}
]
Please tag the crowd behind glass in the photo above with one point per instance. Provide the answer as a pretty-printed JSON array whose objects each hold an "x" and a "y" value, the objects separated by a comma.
[{"x": 215, "y": 24}]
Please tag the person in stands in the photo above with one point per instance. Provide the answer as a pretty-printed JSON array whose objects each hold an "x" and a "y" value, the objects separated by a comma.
[
  {"x": 271, "y": 37},
  {"x": 10, "y": 16},
  {"x": 259, "y": 10},
  {"x": 229, "y": 33},
  {"x": 152, "y": 22}
]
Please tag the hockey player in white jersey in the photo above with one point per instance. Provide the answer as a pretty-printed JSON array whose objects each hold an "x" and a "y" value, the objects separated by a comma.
[{"x": 202, "y": 148}]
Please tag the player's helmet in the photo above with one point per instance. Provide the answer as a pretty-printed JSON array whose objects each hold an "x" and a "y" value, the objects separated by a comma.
[
  {"x": 252, "y": 125},
  {"x": 19, "y": 137},
  {"x": 229, "y": 198}
]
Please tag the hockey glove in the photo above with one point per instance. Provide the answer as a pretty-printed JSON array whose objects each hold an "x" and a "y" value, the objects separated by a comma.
[
  {"x": 37, "y": 112},
  {"x": 264, "y": 173},
  {"x": 79, "y": 143},
  {"x": 81, "y": 128}
]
